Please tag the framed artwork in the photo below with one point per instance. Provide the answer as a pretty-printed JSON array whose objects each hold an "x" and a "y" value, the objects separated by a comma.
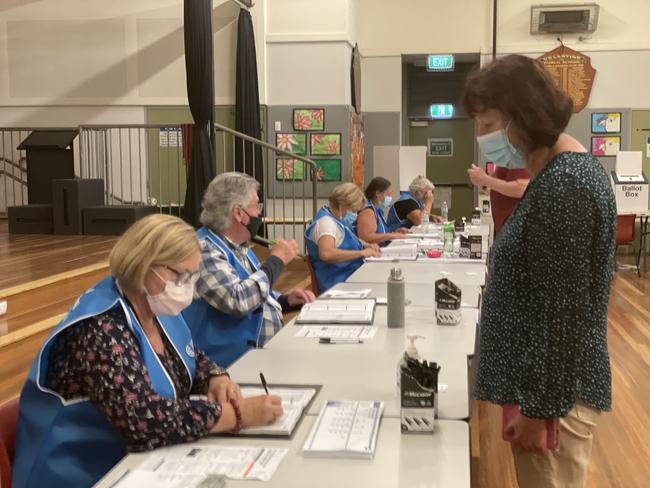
[
  {"x": 292, "y": 142},
  {"x": 328, "y": 169},
  {"x": 289, "y": 169},
  {"x": 605, "y": 145},
  {"x": 606, "y": 122},
  {"x": 308, "y": 119},
  {"x": 326, "y": 144}
]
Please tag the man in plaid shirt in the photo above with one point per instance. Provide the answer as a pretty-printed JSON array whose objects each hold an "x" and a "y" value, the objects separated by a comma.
[{"x": 237, "y": 308}]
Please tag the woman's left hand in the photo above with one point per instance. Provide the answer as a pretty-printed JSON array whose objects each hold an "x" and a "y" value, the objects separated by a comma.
[
  {"x": 221, "y": 389},
  {"x": 529, "y": 434}
]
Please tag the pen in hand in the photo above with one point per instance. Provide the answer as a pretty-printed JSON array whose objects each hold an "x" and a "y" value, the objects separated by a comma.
[{"x": 264, "y": 384}]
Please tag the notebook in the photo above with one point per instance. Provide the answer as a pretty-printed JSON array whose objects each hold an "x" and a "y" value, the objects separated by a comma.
[
  {"x": 345, "y": 429},
  {"x": 295, "y": 401},
  {"x": 338, "y": 312},
  {"x": 511, "y": 411}
]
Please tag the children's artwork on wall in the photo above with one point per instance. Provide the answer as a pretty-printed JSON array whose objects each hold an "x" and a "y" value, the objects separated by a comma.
[
  {"x": 326, "y": 144},
  {"x": 605, "y": 145},
  {"x": 606, "y": 123},
  {"x": 328, "y": 169},
  {"x": 357, "y": 156},
  {"x": 289, "y": 169},
  {"x": 308, "y": 119},
  {"x": 292, "y": 142}
]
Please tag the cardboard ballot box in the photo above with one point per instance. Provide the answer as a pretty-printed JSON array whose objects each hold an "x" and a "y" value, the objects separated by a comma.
[{"x": 630, "y": 183}]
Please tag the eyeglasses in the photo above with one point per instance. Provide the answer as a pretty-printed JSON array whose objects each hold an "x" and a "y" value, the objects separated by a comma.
[{"x": 183, "y": 277}]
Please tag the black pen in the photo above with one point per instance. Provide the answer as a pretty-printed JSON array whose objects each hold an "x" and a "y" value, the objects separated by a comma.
[{"x": 266, "y": 387}]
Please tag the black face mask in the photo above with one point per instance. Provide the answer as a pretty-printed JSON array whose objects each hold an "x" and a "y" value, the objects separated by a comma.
[{"x": 253, "y": 225}]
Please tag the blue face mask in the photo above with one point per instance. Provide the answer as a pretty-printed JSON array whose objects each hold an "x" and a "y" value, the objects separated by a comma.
[
  {"x": 387, "y": 201},
  {"x": 496, "y": 147},
  {"x": 349, "y": 219}
]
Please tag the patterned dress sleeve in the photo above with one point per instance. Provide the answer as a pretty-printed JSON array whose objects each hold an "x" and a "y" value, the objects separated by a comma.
[{"x": 100, "y": 359}]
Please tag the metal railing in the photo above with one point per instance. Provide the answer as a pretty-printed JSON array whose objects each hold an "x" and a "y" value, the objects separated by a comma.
[
  {"x": 143, "y": 164},
  {"x": 289, "y": 180}
]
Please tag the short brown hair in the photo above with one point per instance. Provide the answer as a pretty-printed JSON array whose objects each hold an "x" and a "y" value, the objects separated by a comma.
[
  {"x": 524, "y": 91},
  {"x": 155, "y": 239}
]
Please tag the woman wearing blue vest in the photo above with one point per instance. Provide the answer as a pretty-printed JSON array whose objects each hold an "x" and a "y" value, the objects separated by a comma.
[
  {"x": 371, "y": 222},
  {"x": 116, "y": 374},
  {"x": 333, "y": 248},
  {"x": 413, "y": 205}
]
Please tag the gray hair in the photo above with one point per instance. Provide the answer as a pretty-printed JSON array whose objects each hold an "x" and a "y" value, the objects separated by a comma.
[
  {"x": 225, "y": 192},
  {"x": 420, "y": 183}
]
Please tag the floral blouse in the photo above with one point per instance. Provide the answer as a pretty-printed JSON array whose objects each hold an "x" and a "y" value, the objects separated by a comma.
[
  {"x": 543, "y": 333},
  {"x": 99, "y": 358}
]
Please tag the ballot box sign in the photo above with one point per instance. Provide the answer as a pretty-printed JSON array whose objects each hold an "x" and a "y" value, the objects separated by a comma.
[
  {"x": 631, "y": 193},
  {"x": 440, "y": 148}
]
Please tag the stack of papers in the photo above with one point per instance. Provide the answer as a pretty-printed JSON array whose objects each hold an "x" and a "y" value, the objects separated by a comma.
[
  {"x": 346, "y": 293},
  {"x": 337, "y": 311},
  {"x": 346, "y": 429},
  {"x": 193, "y": 463},
  {"x": 294, "y": 402},
  {"x": 403, "y": 252}
]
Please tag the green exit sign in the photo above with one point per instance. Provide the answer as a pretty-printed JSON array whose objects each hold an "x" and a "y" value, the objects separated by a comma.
[
  {"x": 441, "y": 111},
  {"x": 440, "y": 62}
]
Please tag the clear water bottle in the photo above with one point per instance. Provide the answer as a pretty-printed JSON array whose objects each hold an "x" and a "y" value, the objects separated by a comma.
[
  {"x": 457, "y": 245},
  {"x": 448, "y": 235},
  {"x": 425, "y": 222},
  {"x": 445, "y": 212}
]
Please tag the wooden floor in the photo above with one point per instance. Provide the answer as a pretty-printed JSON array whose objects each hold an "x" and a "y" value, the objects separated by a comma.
[{"x": 622, "y": 441}]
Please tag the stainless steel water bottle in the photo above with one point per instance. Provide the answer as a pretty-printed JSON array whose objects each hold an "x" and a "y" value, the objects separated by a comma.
[{"x": 396, "y": 299}]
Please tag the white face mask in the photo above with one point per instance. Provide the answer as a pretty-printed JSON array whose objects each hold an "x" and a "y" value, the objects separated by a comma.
[{"x": 173, "y": 299}]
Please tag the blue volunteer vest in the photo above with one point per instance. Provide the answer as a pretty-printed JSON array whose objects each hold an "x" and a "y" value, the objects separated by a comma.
[
  {"x": 380, "y": 221},
  {"x": 69, "y": 442},
  {"x": 225, "y": 337},
  {"x": 328, "y": 274},
  {"x": 394, "y": 222}
]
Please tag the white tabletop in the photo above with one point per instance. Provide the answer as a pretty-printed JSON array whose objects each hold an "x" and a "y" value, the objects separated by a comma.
[
  {"x": 437, "y": 340},
  {"x": 421, "y": 272},
  {"x": 354, "y": 373},
  {"x": 419, "y": 294},
  {"x": 440, "y": 460}
]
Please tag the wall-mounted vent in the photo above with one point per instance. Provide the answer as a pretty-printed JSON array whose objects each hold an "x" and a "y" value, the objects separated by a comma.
[{"x": 564, "y": 19}]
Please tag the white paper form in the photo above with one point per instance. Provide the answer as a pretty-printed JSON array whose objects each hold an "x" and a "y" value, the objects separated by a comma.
[
  {"x": 337, "y": 311},
  {"x": 405, "y": 252},
  {"x": 345, "y": 429},
  {"x": 294, "y": 402},
  {"x": 234, "y": 462},
  {"x": 358, "y": 294},
  {"x": 139, "y": 479},
  {"x": 337, "y": 332}
]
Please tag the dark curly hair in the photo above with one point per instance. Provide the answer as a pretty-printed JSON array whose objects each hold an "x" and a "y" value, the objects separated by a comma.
[{"x": 524, "y": 91}]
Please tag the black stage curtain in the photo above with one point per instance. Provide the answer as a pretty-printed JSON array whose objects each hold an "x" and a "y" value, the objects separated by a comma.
[
  {"x": 248, "y": 158},
  {"x": 199, "y": 68}
]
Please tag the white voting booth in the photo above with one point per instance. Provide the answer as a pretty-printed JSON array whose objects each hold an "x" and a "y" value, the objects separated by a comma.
[
  {"x": 630, "y": 183},
  {"x": 399, "y": 164}
]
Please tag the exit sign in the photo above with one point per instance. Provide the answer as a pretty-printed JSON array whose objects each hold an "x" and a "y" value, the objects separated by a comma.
[
  {"x": 440, "y": 62},
  {"x": 441, "y": 111}
]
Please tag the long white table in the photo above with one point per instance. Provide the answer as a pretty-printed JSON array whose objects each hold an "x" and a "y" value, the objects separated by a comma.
[
  {"x": 353, "y": 373},
  {"x": 437, "y": 340},
  {"x": 419, "y": 294},
  {"x": 421, "y": 271},
  {"x": 401, "y": 461}
]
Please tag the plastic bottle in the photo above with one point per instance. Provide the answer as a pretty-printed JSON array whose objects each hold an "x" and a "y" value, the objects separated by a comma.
[
  {"x": 457, "y": 245},
  {"x": 425, "y": 222},
  {"x": 411, "y": 352},
  {"x": 396, "y": 298},
  {"x": 444, "y": 209},
  {"x": 448, "y": 235}
]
